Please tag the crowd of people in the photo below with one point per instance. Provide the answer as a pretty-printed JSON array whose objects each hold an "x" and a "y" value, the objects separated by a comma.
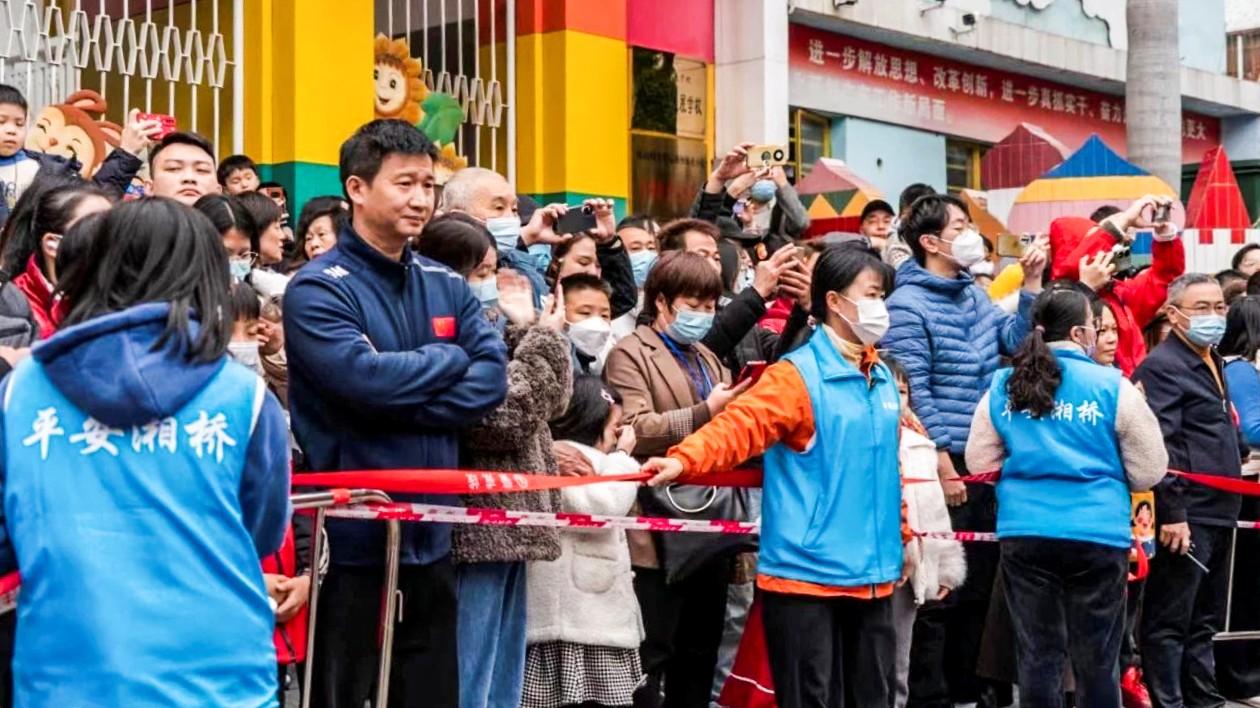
[{"x": 175, "y": 362}]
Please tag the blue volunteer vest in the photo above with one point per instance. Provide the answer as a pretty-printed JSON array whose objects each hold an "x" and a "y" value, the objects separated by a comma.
[
  {"x": 1063, "y": 477},
  {"x": 832, "y": 514},
  {"x": 140, "y": 583}
]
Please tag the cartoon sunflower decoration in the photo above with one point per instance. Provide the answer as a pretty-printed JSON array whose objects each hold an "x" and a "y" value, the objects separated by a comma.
[
  {"x": 448, "y": 163},
  {"x": 399, "y": 89}
]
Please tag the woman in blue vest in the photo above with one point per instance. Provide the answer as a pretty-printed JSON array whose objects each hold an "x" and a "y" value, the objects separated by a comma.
[
  {"x": 143, "y": 477},
  {"x": 832, "y": 538},
  {"x": 1071, "y": 439}
]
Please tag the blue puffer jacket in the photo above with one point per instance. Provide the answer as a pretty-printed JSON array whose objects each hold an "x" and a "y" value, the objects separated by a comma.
[{"x": 948, "y": 335}]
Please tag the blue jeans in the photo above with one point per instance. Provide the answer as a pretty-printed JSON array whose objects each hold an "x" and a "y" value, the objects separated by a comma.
[
  {"x": 491, "y": 631},
  {"x": 1067, "y": 604}
]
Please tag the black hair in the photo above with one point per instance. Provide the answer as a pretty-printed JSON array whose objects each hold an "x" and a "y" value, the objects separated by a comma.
[
  {"x": 180, "y": 138},
  {"x": 72, "y": 253},
  {"x": 456, "y": 240},
  {"x": 1253, "y": 284},
  {"x": 262, "y": 210},
  {"x": 363, "y": 153},
  {"x": 673, "y": 236},
  {"x": 1036, "y": 377},
  {"x": 157, "y": 250},
  {"x": 560, "y": 251},
  {"x": 638, "y": 221},
  {"x": 1224, "y": 276},
  {"x": 911, "y": 194},
  {"x": 1151, "y": 332},
  {"x": 1103, "y": 212},
  {"x": 838, "y": 267},
  {"x": 898, "y": 371},
  {"x": 928, "y": 215},
  {"x": 329, "y": 206},
  {"x": 10, "y": 95},
  {"x": 243, "y": 303},
  {"x": 1242, "y": 329},
  {"x": 589, "y": 408},
  {"x": 1242, "y": 253},
  {"x": 226, "y": 213},
  {"x": 46, "y": 207},
  {"x": 1143, "y": 505},
  {"x": 273, "y": 185},
  {"x": 578, "y": 282},
  {"x": 235, "y": 163}
]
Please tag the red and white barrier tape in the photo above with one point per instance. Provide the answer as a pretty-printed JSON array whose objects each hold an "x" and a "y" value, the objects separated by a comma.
[{"x": 501, "y": 517}]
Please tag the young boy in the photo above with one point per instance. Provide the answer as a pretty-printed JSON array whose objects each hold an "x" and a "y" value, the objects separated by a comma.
[
  {"x": 19, "y": 166},
  {"x": 588, "y": 311},
  {"x": 238, "y": 174}
]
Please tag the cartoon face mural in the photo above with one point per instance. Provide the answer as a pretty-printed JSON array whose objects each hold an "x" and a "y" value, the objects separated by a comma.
[
  {"x": 74, "y": 130},
  {"x": 398, "y": 87}
]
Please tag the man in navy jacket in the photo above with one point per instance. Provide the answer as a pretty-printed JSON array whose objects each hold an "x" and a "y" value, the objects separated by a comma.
[
  {"x": 389, "y": 358},
  {"x": 1184, "y": 382}
]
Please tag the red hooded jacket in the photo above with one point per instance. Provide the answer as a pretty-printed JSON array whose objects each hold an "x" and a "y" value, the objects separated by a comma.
[
  {"x": 1135, "y": 301},
  {"x": 39, "y": 293}
]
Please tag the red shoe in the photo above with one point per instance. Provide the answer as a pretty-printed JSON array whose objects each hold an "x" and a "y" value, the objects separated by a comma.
[{"x": 1133, "y": 692}]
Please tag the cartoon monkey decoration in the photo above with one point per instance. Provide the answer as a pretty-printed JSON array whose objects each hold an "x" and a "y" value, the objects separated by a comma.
[{"x": 76, "y": 131}]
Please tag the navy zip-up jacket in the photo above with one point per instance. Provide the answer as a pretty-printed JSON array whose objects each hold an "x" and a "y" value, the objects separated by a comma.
[{"x": 388, "y": 362}]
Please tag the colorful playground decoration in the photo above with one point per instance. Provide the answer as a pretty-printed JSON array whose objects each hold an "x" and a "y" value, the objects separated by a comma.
[
  {"x": 834, "y": 196},
  {"x": 398, "y": 82},
  {"x": 1217, "y": 223},
  {"x": 1027, "y": 153},
  {"x": 978, "y": 207},
  {"x": 1091, "y": 177}
]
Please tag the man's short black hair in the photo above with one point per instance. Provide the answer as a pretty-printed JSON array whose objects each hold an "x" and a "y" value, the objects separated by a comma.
[
  {"x": 181, "y": 138},
  {"x": 232, "y": 164},
  {"x": 927, "y": 215},
  {"x": 363, "y": 153},
  {"x": 912, "y": 193},
  {"x": 11, "y": 95},
  {"x": 1103, "y": 212}
]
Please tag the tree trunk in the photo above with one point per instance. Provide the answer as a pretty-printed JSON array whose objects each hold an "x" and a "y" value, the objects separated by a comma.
[{"x": 1153, "y": 89}]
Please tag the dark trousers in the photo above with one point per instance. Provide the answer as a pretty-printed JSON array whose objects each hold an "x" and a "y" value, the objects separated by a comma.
[
  {"x": 1067, "y": 602},
  {"x": 830, "y": 652},
  {"x": 1184, "y": 607},
  {"x": 947, "y": 634},
  {"x": 1129, "y": 655},
  {"x": 425, "y": 670},
  {"x": 1238, "y": 662},
  {"x": 683, "y": 624}
]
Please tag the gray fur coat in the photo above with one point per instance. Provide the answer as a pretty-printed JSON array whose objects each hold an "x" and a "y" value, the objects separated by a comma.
[{"x": 515, "y": 438}]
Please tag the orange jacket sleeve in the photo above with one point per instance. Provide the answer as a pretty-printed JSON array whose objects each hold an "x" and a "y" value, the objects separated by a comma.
[{"x": 776, "y": 409}]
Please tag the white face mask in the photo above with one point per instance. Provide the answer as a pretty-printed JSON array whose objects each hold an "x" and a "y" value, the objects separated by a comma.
[
  {"x": 872, "y": 323},
  {"x": 246, "y": 354},
  {"x": 590, "y": 335},
  {"x": 967, "y": 248}
]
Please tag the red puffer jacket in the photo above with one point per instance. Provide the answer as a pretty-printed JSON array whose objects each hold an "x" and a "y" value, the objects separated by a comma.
[
  {"x": 290, "y": 637},
  {"x": 1135, "y": 301}
]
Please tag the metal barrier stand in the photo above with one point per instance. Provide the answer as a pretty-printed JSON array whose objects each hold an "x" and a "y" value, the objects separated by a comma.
[{"x": 320, "y": 502}]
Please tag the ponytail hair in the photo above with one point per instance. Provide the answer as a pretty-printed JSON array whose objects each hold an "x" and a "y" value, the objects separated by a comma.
[{"x": 1036, "y": 377}]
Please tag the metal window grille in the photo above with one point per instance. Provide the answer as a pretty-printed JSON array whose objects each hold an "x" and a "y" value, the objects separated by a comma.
[
  {"x": 162, "y": 56},
  {"x": 458, "y": 45}
]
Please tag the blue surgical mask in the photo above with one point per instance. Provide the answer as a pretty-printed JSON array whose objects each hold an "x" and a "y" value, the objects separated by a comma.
[
  {"x": 1206, "y": 330},
  {"x": 541, "y": 253},
  {"x": 239, "y": 268},
  {"x": 689, "y": 326},
  {"x": 762, "y": 190},
  {"x": 641, "y": 262},
  {"x": 506, "y": 231},
  {"x": 487, "y": 291}
]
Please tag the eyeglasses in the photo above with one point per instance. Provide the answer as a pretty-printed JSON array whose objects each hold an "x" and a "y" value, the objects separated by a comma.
[{"x": 1218, "y": 309}]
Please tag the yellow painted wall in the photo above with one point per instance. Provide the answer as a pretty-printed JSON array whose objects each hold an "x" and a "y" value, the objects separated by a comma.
[{"x": 573, "y": 114}]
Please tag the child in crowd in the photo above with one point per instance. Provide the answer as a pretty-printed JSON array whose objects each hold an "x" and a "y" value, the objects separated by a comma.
[
  {"x": 583, "y": 625},
  {"x": 941, "y": 565},
  {"x": 588, "y": 312},
  {"x": 244, "y": 347},
  {"x": 238, "y": 174}
]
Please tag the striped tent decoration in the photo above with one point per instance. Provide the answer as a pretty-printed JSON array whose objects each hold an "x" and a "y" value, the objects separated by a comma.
[
  {"x": 834, "y": 196},
  {"x": 1091, "y": 177},
  {"x": 1027, "y": 153},
  {"x": 1217, "y": 222}
]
